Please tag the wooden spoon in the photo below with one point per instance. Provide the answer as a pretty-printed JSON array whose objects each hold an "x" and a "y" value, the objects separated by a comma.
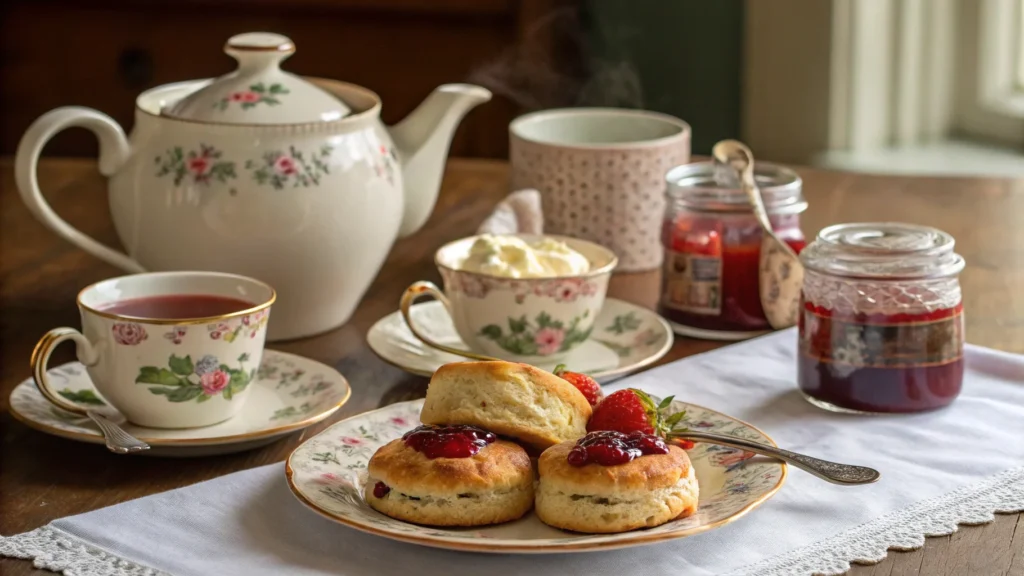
[{"x": 781, "y": 274}]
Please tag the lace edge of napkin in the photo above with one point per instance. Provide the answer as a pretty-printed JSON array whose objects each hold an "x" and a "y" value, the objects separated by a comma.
[
  {"x": 55, "y": 550},
  {"x": 904, "y": 529}
]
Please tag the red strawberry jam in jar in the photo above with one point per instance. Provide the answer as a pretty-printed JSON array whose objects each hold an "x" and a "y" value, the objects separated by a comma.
[
  {"x": 882, "y": 326},
  {"x": 713, "y": 246}
]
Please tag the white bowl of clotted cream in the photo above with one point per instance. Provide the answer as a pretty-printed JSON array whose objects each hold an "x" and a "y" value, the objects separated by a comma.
[{"x": 519, "y": 297}]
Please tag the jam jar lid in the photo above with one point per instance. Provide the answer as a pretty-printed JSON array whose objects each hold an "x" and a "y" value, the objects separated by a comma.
[
  {"x": 258, "y": 91},
  {"x": 712, "y": 187},
  {"x": 884, "y": 251}
]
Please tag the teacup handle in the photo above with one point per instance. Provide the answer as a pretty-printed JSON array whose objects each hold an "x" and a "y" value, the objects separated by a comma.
[
  {"x": 41, "y": 357},
  {"x": 424, "y": 288}
]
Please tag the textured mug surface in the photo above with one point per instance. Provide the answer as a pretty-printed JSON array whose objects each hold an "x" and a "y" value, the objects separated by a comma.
[{"x": 601, "y": 174}]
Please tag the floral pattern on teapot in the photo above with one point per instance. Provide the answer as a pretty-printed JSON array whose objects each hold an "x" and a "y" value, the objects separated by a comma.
[
  {"x": 386, "y": 169},
  {"x": 291, "y": 168},
  {"x": 197, "y": 166},
  {"x": 279, "y": 169},
  {"x": 257, "y": 94}
]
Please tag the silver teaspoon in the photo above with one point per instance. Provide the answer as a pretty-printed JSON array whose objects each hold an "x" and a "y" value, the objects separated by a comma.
[
  {"x": 781, "y": 273},
  {"x": 843, "y": 474},
  {"x": 118, "y": 441}
]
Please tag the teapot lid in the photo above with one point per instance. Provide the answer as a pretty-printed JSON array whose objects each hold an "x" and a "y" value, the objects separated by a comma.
[{"x": 259, "y": 92}]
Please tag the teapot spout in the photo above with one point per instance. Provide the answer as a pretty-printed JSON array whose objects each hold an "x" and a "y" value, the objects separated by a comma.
[{"x": 423, "y": 138}]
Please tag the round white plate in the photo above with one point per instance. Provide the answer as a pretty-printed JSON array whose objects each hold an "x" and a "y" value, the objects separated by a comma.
[
  {"x": 625, "y": 338},
  {"x": 290, "y": 393},
  {"x": 328, "y": 471}
]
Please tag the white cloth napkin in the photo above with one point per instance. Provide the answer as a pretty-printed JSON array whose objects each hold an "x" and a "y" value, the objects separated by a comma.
[
  {"x": 519, "y": 213},
  {"x": 957, "y": 464}
]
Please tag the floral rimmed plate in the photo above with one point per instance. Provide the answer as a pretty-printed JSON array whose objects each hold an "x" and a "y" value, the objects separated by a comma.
[
  {"x": 625, "y": 338},
  {"x": 327, "y": 472},
  {"x": 289, "y": 393}
]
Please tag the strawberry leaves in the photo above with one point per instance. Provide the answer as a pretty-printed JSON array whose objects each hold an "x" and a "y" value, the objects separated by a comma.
[
  {"x": 674, "y": 419},
  {"x": 664, "y": 423}
]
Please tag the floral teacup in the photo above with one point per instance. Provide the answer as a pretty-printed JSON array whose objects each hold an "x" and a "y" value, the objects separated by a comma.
[
  {"x": 520, "y": 319},
  {"x": 166, "y": 372}
]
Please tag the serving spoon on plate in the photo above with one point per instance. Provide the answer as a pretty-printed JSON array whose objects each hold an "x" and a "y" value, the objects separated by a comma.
[{"x": 842, "y": 474}]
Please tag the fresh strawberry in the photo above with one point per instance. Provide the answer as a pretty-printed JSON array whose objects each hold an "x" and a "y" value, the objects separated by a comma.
[
  {"x": 633, "y": 410},
  {"x": 585, "y": 384}
]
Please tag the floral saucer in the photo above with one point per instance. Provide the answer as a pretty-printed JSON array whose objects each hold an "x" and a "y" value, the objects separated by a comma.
[
  {"x": 289, "y": 393},
  {"x": 625, "y": 338},
  {"x": 327, "y": 473}
]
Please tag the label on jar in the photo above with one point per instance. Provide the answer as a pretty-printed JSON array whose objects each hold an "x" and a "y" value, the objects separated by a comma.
[
  {"x": 693, "y": 283},
  {"x": 845, "y": 341}
]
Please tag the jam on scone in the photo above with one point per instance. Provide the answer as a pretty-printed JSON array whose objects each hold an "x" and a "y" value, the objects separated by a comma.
[
  {"x": 456, "y": 441},
  {"x": 611, "y": 448}
]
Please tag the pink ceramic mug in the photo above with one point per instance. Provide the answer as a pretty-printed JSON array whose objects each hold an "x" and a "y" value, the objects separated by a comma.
[{"x": 601, "y": 175}]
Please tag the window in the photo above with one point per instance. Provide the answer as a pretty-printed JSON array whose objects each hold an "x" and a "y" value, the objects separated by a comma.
[
  {"x": 990, "y": 73},
  {"x": 830, "y": 80},
  {"x": 1020, "y": 46}
]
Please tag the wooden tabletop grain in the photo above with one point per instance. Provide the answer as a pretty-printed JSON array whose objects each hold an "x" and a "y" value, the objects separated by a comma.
[{"x": 43, "y": 478}]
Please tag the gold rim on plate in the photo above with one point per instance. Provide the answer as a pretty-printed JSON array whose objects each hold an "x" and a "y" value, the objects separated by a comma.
[{"x": 471, "y": 546}]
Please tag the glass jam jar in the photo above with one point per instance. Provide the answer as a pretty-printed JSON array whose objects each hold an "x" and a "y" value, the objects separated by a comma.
[
  {"x": 882, "y": 324},
  {"x": 713, "y": 245}
]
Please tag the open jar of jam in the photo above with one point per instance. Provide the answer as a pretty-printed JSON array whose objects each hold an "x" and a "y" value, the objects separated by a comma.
[
  {"x": 881, "y": 330},
  {"x": 713, "y": 246}
]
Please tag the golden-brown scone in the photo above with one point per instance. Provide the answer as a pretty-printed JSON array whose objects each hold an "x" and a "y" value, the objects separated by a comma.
[
  {"x": 511, "y": 399},
  {"x": 643, "y": 493},
  {"x": 494, "y": 485}
]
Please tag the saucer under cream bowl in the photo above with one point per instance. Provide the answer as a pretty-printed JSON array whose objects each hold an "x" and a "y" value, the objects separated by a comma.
[
  {"x": 290, "y": 393},
  {"x": 623, "y": 339}
]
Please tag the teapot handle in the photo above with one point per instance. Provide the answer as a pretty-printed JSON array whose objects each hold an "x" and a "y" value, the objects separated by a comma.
[{"x": 113, "y": 153}]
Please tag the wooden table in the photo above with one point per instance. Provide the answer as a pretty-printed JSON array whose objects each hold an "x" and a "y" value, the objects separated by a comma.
[{"x": 43, "y": 478}]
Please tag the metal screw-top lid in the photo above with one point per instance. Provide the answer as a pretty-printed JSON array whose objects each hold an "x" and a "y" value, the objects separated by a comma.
[
  {"x": 259, "y": 92},
  {"x": 883, "y": 250}
]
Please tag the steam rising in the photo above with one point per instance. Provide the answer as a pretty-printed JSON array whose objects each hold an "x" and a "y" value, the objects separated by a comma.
[{"x": 555, "y": 66}]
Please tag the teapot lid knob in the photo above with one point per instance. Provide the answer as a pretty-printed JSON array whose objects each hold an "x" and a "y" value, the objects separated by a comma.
[
  {"x": 259, "y": 49},
  {"x": 259, "y": 91}
]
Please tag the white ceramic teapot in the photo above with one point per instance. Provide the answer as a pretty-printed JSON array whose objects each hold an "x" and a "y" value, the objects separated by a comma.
[{"x": 262, "y": 173}]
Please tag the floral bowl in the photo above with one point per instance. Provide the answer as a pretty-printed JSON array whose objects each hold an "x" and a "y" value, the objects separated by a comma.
[{"x": 523, "y": 319}]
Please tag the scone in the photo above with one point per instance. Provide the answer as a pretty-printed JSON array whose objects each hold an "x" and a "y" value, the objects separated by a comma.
[
  {"x": 416, "y": 482},
  {"x": 511, "y": 399},
  {"x": 592, "y": 497}
]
